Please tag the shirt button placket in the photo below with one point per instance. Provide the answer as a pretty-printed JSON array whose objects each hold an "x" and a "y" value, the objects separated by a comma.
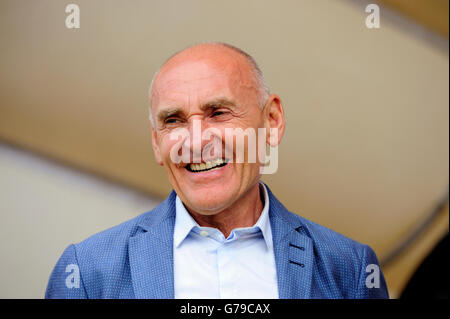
[{"x": 226, "y": 271}]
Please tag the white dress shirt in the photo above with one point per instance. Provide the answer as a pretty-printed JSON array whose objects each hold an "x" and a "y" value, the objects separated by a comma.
[{"x": 208, "y": 265}]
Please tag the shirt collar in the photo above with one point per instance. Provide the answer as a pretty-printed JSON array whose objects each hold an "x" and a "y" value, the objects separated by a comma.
[
  {"x": 263, "y": 221},
  {"x": 184, "y": 222}
]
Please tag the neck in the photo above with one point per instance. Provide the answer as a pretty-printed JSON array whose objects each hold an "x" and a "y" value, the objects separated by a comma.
[{"x": 242, "y": 213}]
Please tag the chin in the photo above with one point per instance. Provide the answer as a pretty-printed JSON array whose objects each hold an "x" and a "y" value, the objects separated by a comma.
[{"x": 209, "y": 202}]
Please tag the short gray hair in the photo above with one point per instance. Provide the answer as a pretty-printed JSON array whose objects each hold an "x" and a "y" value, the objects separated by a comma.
[{"x": 258, "y": 76}]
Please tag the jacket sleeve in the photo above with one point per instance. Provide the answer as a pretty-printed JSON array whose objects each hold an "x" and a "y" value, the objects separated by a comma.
[
  {"x": 65, "y": 280},
  {"x": 371, "y": 283}
]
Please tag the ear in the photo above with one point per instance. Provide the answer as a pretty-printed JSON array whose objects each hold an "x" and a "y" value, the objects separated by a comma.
[
  {"x": 155, "y": 146},
  {"x": 274, "y": 119}
]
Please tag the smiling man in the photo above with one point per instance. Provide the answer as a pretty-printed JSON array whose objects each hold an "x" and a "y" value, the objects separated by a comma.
[{"x": 221, "y": 233}]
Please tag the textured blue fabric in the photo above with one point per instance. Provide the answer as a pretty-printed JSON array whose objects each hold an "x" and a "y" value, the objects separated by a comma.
[{"x": 135, "y": 260}]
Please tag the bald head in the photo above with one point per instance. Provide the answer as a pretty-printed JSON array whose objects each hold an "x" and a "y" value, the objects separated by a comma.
[{"x": 221, "y": 56}]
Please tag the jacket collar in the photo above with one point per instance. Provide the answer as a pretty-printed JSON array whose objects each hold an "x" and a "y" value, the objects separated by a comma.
[{"x": 151, "y": 252}]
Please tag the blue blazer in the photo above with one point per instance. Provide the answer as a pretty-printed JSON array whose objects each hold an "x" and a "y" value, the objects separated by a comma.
[{"x": 135, "y": 260}]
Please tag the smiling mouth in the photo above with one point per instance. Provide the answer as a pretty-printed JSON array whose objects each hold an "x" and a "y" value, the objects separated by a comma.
[{"x": 207, "y": 166}]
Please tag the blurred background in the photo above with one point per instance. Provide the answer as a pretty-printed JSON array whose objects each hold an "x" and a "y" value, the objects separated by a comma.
[{"x": 366, "y": 150}]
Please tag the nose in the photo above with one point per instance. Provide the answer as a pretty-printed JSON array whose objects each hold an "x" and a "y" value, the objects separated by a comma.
[{"x": 198, "y": 140}]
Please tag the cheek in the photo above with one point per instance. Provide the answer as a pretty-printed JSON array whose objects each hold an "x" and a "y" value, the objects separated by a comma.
[{"x": 165, "y": 146}]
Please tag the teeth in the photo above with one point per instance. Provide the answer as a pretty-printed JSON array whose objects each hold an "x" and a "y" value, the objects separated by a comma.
[{"x": 207, "y": 165}]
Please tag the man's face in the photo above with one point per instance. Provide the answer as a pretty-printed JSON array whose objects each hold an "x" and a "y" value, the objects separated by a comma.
[{"x": 217, "y": 92}]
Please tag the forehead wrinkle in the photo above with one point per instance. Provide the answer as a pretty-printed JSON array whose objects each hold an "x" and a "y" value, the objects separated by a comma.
[
  {"x": 218, "y": 101},
  {"x": 184, "y": 87}
]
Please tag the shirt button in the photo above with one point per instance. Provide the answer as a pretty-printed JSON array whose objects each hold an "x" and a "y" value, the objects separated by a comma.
[{"x": 204, "y": 233}]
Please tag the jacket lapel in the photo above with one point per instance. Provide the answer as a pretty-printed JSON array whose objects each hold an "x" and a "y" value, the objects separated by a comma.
[
  {"x": 151, "y": 253},
  {"x": 293, "y": 249}
]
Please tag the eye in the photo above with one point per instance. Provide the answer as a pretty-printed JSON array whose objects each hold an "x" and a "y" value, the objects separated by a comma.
[
  {"x": 217, "y": 113},
  {"x": 171, "y": 120}
]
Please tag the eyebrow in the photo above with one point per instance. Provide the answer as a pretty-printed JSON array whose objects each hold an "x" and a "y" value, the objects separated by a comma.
[
  {"x": 212, "y": 104},
  {"x": 163, "y": 114}
]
